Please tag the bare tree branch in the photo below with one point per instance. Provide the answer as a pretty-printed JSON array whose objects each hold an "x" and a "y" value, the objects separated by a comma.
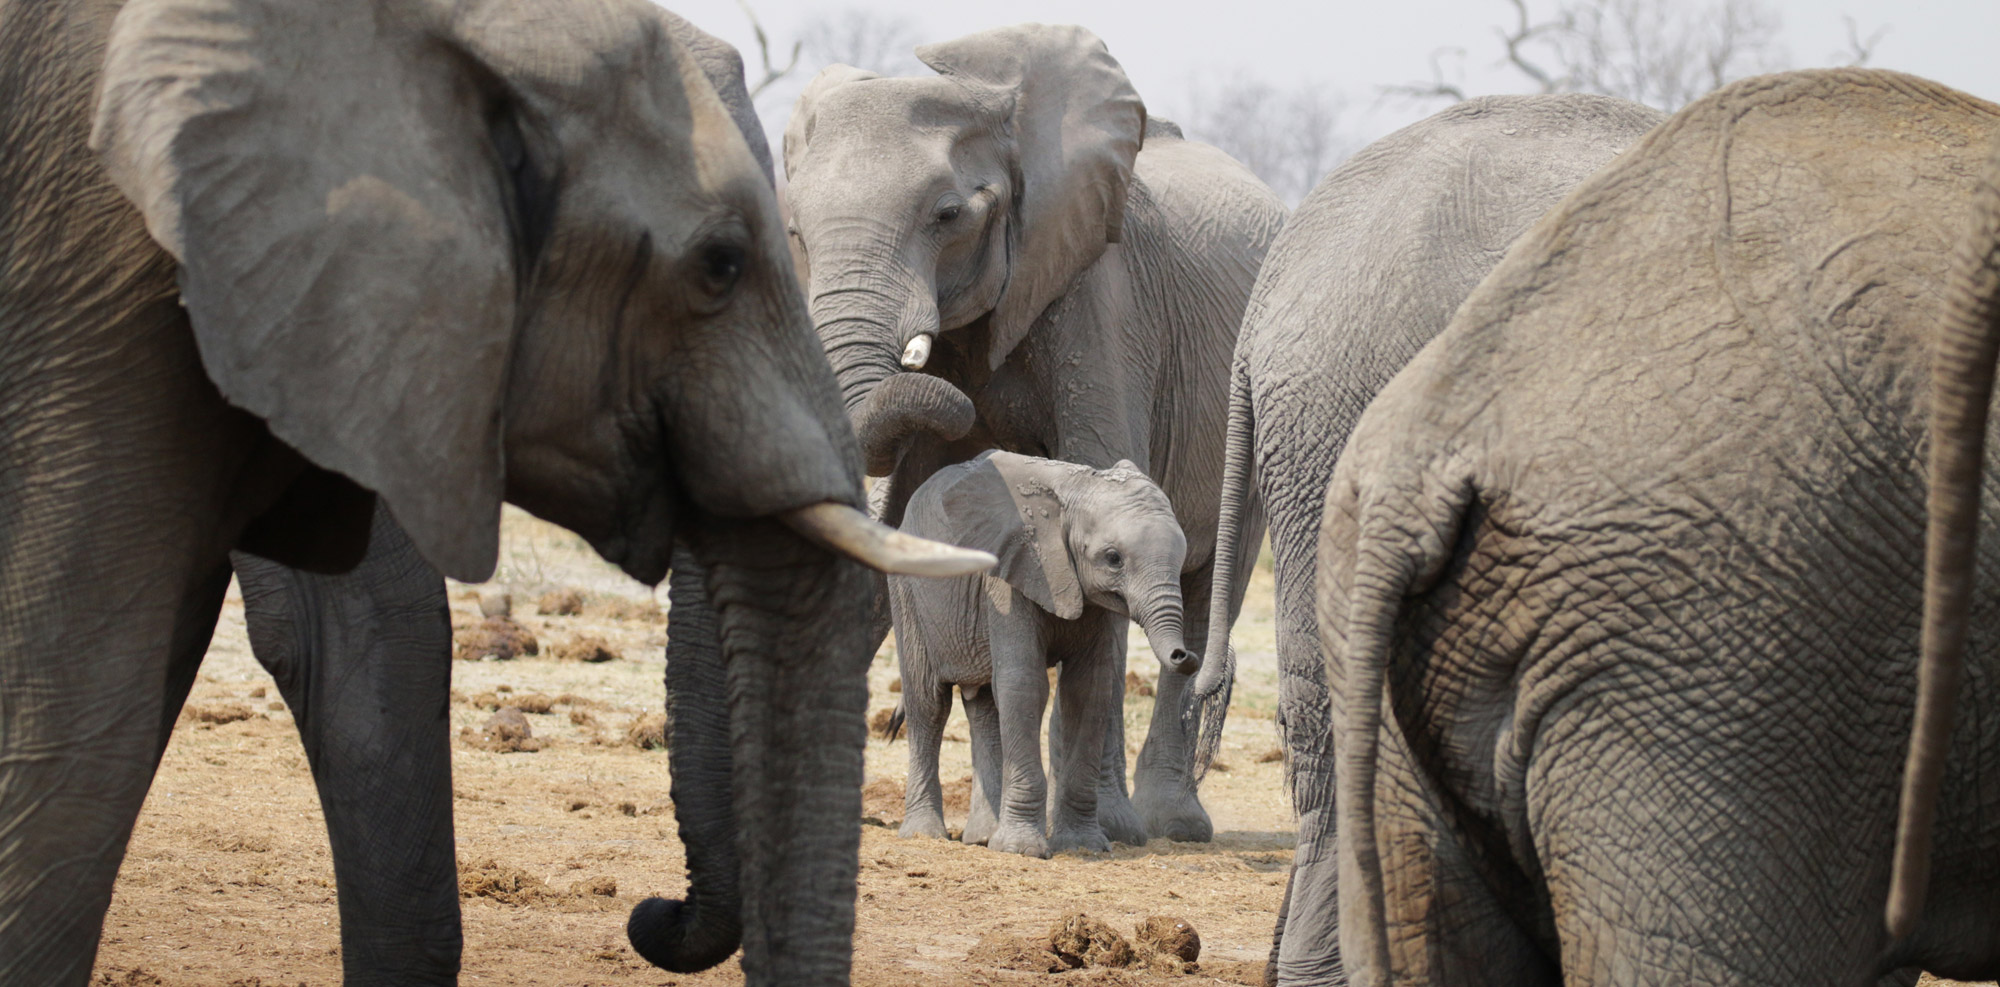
[
  {"x": 1522, "y": 34},
  {"x": 866, "y": 39},
  {"x": 1437, "y": 88},
  {"x": 1859, "y": 50},
  {"x": 771, "y": 73},
  {"x": 1289, "y": 138}
]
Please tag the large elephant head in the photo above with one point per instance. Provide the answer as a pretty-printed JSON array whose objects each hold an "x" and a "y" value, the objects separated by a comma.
[
  {"x": 461, "y": 252},
  {"x": 922, "y": 205}
]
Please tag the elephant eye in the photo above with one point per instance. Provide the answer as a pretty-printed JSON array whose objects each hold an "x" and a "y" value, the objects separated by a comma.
[
  {"x": 1112, "y": 558},
  {"x": 949, "y": 213},
  {"x": 721, "y": 264}
]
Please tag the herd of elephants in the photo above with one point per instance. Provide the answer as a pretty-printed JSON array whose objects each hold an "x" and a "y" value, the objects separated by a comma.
[{"x": 1622, "y": 472}]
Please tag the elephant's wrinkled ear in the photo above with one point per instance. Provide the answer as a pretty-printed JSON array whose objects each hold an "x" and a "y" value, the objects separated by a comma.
[
  {"x": 1077, "y": 127},
  {"x": 994, "y": 504},
  {"x": 723, "y": 65},
  {"x": 325, "y": 175},
  {"x": 798, "y": 130}
]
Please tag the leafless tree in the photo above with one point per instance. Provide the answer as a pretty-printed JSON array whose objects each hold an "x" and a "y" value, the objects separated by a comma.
[
  {"x": 1662, "y": 52},
  {"x": 1859, "y": 49},
  {"x": 771, "y": 72},
  {"x": 1288, "y": 138},
  {"x": 866, "y": 39}
]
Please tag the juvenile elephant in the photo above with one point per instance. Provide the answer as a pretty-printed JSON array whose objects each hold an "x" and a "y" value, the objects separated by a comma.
[
  {"x": 1008, "y": 254},
  {"x": 1621, "y": 579},
  {"x": 1368, "y": 269},
  {"x": 1080, "y": 551},
  {"x": 274, "y": 275}
]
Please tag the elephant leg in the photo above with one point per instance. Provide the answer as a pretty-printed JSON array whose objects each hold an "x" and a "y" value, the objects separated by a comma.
[
  {"x": 1116, "y": 814},
  {"x": 926, "y": 707},
  {"x": 1306, "y": 947},
  {"x": 1278, "y": 930},
  {"x": 982, "y": 717},
  {"x": 704, "y": 929},
  {"x": 1086, "y": 686},
  {"x": 1163, "y": 786},
  {"x": 364, "y": 661},
  {"x": 1021, "y": 692},
  {"x": 83, "y": 717}
]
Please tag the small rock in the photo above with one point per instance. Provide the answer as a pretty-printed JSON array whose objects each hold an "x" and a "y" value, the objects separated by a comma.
[
  {"x": 275, "y": 706},
  {"x": 586, "y": 648},
  {"x": 1136, "y": 686},
  {"x": 496, "y": 603},
  {"x": 257, "y": 693},
  {"x": 560, "y": 603},
  {"x": 648, "y": 731},
  {"x": 1172, "y": 936},
  {"x": 498, "y": 638}
]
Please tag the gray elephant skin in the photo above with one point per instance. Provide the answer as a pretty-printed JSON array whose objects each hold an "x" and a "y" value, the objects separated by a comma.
[
  {"x": 1009, "y": 255},
  {"x": 1621, "y": 579},
  {"x": 322, "y": 284},
  {"x": 1080, "y": 551},
  {"x": 1368, "y": 269}
]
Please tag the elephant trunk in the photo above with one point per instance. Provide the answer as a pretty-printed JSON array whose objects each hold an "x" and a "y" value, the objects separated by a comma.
[
  {"x": 795, "y": 688},
  {"x": 869, "y": 332},
  {"x": 704, "y": 929},
  {"x": 1209, "y": 705},
  {"x": 1161, "y": 617},
  {"x": 1961, "y": 388}
]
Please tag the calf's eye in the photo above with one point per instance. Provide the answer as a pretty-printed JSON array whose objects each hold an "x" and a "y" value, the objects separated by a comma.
[
  {"x": 722, "y": 264},
  {"x": 1112, "y": 558}
]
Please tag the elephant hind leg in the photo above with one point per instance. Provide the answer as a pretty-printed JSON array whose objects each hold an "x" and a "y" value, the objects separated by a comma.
[
  {"x": 982, "y": 716},
  {"x": 926, "y": 707},
  {"x": 364, "y": 661}
]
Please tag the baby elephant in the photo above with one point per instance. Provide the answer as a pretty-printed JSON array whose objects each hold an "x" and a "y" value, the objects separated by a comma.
[{"x": 1080, "y": 551}]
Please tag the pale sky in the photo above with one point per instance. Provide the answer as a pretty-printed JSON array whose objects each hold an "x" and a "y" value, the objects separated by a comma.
[{"x": 1354, "y": 46}]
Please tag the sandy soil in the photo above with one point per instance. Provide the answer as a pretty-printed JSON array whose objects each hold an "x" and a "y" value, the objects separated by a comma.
[{"x": 228, "y": 881}]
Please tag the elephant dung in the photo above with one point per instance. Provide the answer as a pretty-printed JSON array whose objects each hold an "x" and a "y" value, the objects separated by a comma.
[
  {"x": 498, "y": 638},
  {"x": 1170, "y": 936},
  {"x": 496, "y": 603},
  {"x": 648, "y": 731},
  {"x": 560, "y": 603},
  {"x": 1081, "y": 941},
  {"x": 507, "y": 732},
  {"x": 586, "y": 648},
  {"x": 506, "y": 885},
  {"x": 1009, "y": 952}
]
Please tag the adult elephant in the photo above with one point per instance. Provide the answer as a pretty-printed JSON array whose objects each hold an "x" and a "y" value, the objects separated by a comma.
[
  {"x": 1009, "y": 255},
  {"x": 1621, "y": 579},
  {"x": 1368, "y": 269},
  {"x": 274, "y": 274}
]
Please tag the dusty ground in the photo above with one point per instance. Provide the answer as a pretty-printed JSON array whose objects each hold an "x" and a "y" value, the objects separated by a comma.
[{"x": 228, "y": 881}]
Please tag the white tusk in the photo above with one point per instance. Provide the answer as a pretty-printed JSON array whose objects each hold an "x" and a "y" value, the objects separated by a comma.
[
  {"x": 917, "y": 353},
  {"x": 846, "y": 531}
]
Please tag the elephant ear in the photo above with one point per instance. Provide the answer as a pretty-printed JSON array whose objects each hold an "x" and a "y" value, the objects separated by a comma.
[
  {"x": 798, "y": 130},
  {"x": 1000, "y": 504},
  {"x": 723, "y": 65},
  {"x": 326, "y": 177},
  {"x": 1077, "y": 127}
]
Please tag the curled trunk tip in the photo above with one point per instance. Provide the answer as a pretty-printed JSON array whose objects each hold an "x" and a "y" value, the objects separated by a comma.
[{"x": 671, "y": 935}]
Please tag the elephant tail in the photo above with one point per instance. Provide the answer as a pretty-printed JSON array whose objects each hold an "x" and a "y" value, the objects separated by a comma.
[
  {"x": 1961, "y": 389},
  {"x": 895, "y": 726},
  {"x": 1208, "y": 702},
  {"x": 1387, "y": 566}
]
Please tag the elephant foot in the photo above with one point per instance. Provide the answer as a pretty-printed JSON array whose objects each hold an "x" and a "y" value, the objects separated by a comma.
[
  {"x": 923, "y": 823},
  {"x": 979, "y": 826},
  {"x": 1177, "y": 816},
  {"x": 1119, "y": 819},
  {"x": 1082, "y": 836},
  {"x": 1024, "y": 840}
]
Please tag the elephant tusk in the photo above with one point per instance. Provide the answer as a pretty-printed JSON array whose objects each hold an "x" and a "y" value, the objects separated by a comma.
[
  {"x": 846, "y": 531},
  {"x": 918, "y": 352}
]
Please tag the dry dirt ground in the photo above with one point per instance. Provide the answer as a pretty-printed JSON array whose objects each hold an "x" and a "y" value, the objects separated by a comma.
[{"x": 228, "y": 881}]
